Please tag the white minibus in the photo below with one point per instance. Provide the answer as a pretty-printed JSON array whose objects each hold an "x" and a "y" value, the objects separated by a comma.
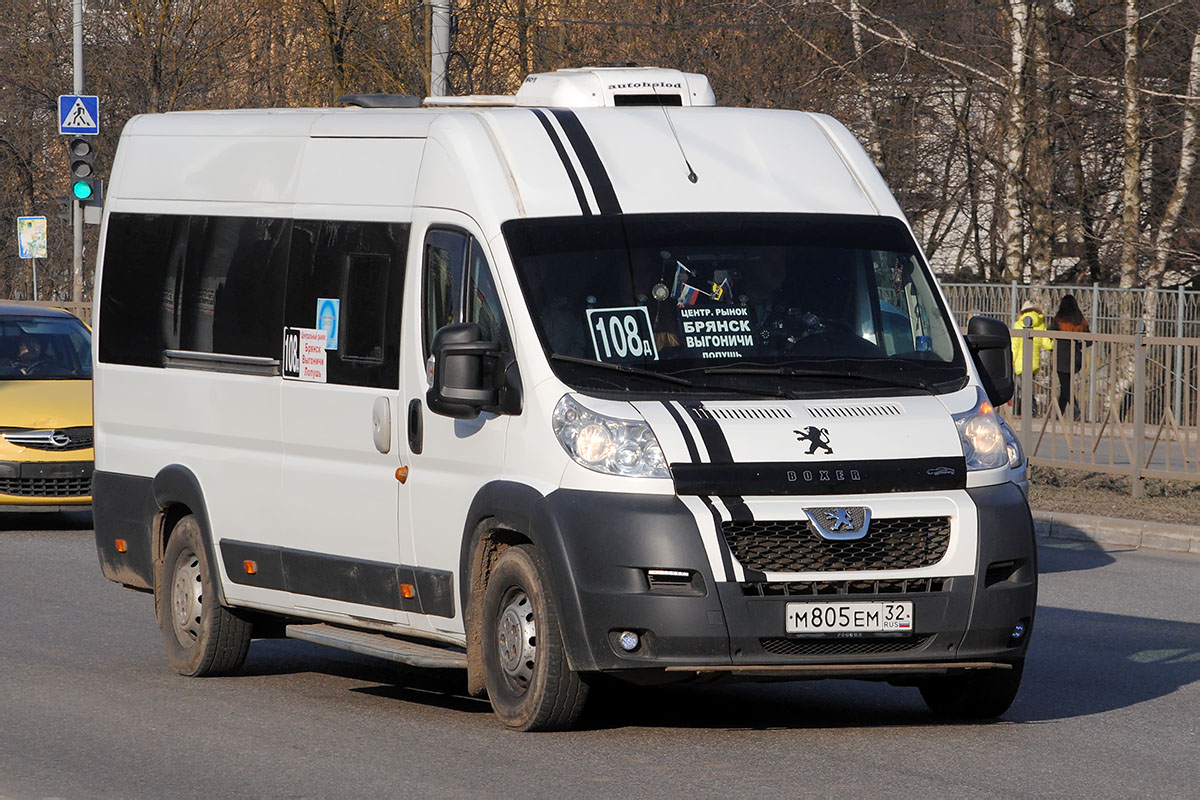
[{"x": 600, "y": 379}]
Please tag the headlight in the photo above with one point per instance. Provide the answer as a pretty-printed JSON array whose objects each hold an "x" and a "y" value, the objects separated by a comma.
[
  {"x": 1016, "y": 456},
  {"x": 982, "y": 435},
  {"x": 606, "y": 444}
]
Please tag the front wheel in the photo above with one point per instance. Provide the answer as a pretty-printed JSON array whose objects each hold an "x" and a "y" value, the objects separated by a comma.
[
  {"x": 530, "y": 684},
  {"x": 202, "y": 637},
  {"x": 973, "y": 695}
]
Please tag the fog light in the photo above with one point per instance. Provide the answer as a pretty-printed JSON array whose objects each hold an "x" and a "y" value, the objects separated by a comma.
[
  {"x": 1018, "y": 631},
  {"x": 629, "y": 641}
]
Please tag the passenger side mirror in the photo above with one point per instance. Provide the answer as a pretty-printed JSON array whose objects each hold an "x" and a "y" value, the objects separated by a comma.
[
  {"x": 990, "y": 343},
  {"x": 460, "y": 388}
]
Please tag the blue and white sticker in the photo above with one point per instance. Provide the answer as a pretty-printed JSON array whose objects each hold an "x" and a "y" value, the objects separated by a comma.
[{"x": 329, "y": 316}]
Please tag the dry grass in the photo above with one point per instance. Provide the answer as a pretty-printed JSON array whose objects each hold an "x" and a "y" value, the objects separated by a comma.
[{"x": 1078, "y": 492}]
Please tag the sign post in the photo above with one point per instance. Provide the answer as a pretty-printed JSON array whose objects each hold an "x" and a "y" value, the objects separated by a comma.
[
  {"x": 31, "y": 243},
  {"x": 78, "y": 115}
]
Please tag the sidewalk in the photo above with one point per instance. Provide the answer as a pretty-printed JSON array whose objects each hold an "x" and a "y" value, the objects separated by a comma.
[{"x": 1114, "y": 532}]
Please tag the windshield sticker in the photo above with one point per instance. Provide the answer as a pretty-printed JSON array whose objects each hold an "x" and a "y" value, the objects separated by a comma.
[
  {"x": 328, "y": 318},
  {"x": 622, "y": 334},
  {"x": 304, "y": 354},
  {"x": 716, "y": 332}
]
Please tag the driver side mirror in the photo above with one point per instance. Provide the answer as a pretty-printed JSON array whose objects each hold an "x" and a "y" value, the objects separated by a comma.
[
  {"x": 990, "y": 343},
  {"x": 461, "y": 388}
]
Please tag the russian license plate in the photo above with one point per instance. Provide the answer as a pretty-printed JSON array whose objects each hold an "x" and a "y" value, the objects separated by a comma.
[{"x": 894, "y": 617}]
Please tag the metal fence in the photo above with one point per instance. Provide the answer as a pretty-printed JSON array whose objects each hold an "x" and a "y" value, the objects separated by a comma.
[
  {"x": 1175, "y": 312},
  {"x": 1125, "y": 404}
]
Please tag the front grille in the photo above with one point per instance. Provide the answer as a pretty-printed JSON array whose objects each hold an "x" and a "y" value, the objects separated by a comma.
[
  {"x": 47, "y": 487},
  {"x": 793, "y": 546},
  {"x": 840, "y": 647},
  {"x": 58, "y": 440},
  {"x": 826, "y": 588}
]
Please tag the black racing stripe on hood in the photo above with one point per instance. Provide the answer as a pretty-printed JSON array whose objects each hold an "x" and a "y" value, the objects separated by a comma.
[
  {"x": 711, "y": 433},
  {"x": 693, "y": 453},
  {"x": 726, "y": 555},
  {"x": 589, "y": 159},
  {"x": 566, "y": 161},
  {"x": 738, "y": 510}
]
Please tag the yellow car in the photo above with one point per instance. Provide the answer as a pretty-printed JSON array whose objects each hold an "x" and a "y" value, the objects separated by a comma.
[{"x": 46, "y": 456}]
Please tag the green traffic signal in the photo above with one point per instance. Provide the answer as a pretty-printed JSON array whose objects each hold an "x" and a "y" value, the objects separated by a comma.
[{"x": 82, "y": 190}]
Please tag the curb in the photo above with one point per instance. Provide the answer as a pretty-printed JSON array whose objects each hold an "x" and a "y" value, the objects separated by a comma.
[{"x": 1131, "y": 533}]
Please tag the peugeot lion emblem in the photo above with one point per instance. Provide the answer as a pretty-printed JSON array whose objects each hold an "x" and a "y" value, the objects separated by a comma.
[
  {"x": 840, "y": 524},
  {"x": 816, "y": 437}
]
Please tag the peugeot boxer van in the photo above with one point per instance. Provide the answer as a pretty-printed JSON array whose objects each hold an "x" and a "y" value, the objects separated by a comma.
[{"x": 600, "y": 379}]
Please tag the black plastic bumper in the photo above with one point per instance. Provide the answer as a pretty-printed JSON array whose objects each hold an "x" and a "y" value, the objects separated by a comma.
[{"x": 599, "y": 547}]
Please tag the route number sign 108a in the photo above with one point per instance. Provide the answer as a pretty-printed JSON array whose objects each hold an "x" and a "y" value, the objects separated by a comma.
[{"x": 622, "y": 334}]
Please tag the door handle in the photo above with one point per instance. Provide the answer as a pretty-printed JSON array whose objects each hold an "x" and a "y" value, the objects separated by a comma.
[
  {"x": 416, "y": 431},
  {"x": 381, "y": 424}
]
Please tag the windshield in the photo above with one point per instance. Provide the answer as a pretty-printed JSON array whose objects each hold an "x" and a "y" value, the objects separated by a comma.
[
  {"x": 44, "y": 348},
  {"x": 780, "y": 303}
]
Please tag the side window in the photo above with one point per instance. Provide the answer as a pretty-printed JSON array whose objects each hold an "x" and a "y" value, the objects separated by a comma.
[
  {"x": 132, "y": 300},
  {"x": 203, "y": 284},
  {"x": 483, "y": 301},
  {"x": 441, "y": 284},
  {"x": 359, "y": 266},
  {"x": 458, "y": 287}
]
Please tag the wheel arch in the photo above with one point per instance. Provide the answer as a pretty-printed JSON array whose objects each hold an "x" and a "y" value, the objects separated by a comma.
[{"x": 177, "y": 493}]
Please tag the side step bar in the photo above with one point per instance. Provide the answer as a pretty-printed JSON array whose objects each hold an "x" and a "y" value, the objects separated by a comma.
[{"x": 379, "y": 645}]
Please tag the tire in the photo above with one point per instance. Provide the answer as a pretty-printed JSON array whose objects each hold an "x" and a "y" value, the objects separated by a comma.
[
  {"x": 973, "y": 695},
  {"x": 201, "y": 636},
  {"x": 529, "y": 683}
]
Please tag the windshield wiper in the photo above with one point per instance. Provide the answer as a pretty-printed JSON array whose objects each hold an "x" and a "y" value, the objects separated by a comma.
[
  {"x": 624, "y": 369},
  {"x": 668, "y": 378},
  {"x": 791, "y": 372}
]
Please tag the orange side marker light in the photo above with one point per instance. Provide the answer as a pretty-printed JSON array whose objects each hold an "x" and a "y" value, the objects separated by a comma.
[
  {"x": 407, "y": 591},
  {"x": 122, "y": 545},
  {"x": 402, "y": 474},
  {"x": 251, "y": 567}
]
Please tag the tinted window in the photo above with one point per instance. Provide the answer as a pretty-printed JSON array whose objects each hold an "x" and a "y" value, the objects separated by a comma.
[
  {"x": 730, "y": 300},
  {"x": 441, "y": 287},
  {"x": 361, "y": 266},
  {"x": 193, "y": 283}
]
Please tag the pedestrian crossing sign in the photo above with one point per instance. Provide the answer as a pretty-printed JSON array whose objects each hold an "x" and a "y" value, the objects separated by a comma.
[{"x": 79, "y": 114}]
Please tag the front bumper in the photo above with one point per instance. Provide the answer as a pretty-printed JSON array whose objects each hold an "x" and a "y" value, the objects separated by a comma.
[
  {"x": 45, "y": 485},
  {"x": 599, "y": 548}
]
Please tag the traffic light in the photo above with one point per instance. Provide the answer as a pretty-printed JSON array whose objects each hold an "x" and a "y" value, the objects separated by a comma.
[{"x": 84, "y": 185}]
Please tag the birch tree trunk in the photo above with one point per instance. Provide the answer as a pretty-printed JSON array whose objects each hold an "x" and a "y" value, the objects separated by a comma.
[
  {"x": 1012, "y": 230},
  {"x": 874, "y": 146},
  {"x": 1040, "y": 170},
  {"x": 1131, "y": 178},
  {"x": 1164, "y": 241}
]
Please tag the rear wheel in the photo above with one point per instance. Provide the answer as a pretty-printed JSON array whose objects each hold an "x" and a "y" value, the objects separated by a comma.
[
  {"x": 530, "y": 684},
  {"x": 201, "y": 636},
  {"x": 973, "y": 695}
]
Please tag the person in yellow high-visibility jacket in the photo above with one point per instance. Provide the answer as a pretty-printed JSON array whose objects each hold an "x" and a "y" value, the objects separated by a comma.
[{"x": 1030, "y": 316}]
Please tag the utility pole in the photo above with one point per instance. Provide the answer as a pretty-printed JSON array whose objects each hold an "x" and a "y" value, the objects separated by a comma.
[
  {"x": 439, "y": 47},
  {"x": 76, "y": 206}
]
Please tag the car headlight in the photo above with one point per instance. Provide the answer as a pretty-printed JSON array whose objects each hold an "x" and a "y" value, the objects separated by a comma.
[
  {"x": 607, "y": 444},
  {"x": 1016, "y": 456},
  {"x": 982, "y": 435}
]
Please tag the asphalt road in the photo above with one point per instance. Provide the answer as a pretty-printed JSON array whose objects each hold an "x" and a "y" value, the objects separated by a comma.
[{"x": 1110, "y": 707}]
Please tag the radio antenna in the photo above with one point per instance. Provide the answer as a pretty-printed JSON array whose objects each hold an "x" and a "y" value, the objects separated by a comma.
[{"x": 691, "y": 172}]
